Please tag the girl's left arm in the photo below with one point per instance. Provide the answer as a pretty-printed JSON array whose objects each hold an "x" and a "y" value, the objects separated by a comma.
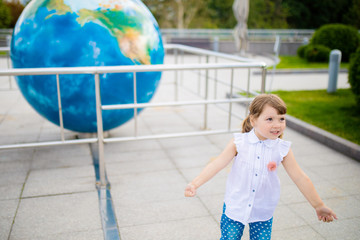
[{"x": 307, "y": 188}]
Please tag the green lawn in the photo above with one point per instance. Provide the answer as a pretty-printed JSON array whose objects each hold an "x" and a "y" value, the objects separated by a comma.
[
  {"x": 335, "y": 113},
  {"x": 289, "y": 62}
]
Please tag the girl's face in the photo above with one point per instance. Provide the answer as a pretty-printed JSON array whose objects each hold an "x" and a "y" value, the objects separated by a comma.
[{"x": 269, "y": 124}]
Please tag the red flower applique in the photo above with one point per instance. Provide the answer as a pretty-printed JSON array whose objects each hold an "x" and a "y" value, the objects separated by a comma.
[{"x": 271, "y": 166}]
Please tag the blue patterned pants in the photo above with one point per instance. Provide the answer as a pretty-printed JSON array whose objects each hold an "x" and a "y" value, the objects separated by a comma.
[{"x": 233, "y": 230}]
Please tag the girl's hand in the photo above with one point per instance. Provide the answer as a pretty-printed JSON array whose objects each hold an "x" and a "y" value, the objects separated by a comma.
[
  {"x": 325, "y": 214},
  {"x": 190, "y": 190}
]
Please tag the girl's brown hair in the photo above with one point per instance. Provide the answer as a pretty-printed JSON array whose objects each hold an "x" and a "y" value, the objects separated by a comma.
[{"x": 257, "y": 106}]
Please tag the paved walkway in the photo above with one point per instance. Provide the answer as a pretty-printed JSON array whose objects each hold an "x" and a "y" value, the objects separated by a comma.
[{"x": 50, "y": 193}]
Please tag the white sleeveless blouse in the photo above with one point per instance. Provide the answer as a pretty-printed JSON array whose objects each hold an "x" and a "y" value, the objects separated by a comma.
[{"x": 252, "y": 190}]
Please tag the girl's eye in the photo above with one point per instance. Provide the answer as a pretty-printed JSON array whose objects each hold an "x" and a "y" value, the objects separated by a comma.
[
  {"x": 282, "y": 119},
  {"x": 269, "y": 119}
]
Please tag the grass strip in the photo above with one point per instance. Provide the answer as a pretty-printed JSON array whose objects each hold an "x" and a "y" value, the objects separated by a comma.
[
  {"x": 336, "y": 113},
  {"x": 295, "y": 62}
]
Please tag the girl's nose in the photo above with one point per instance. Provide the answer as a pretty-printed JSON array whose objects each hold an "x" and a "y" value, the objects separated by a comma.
[{"x": 277, "y": 123}]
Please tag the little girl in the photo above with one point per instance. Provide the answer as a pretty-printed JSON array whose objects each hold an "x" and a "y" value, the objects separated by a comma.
[{"x": 253, "y": 187}]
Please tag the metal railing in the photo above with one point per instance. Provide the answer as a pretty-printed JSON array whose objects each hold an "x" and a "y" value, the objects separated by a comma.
[
  {"x": 293, "y": 35},
  {"x": 237, "y": 63}
]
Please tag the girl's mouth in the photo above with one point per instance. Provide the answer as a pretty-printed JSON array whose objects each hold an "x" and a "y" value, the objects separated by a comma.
[{"x": 275, "y": 132}]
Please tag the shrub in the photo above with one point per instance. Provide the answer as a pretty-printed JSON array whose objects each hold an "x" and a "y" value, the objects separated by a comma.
[
  {"x": 301, "y": 51},
  {"x": 354, "y": 75},
  {"x": 317, "y": 53},
  {"x": 338, "y": 36}
]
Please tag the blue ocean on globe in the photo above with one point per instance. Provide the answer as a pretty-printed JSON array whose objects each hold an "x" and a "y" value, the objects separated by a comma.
[{"x": 68, "y": 33}]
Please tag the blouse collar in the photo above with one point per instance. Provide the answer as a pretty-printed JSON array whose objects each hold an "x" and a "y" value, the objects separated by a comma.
[{"x": 254, "y": 139}]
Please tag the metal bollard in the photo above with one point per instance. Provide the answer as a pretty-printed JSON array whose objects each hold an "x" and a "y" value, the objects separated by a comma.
[
  {"x": 216, "y": 44},
  {"x": 334, "y": 64}
]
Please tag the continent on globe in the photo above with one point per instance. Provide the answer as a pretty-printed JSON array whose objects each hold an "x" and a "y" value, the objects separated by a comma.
[{"x": 67, "y": 33}]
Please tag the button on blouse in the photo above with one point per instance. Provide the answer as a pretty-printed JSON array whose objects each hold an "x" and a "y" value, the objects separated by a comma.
[{"x": 252, "y": 191}]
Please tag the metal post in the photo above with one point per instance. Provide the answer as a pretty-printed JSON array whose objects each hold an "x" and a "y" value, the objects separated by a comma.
[
  {"x": 248, "y": 84},
  {"x": 8, "y": 66},
  {"x": 231, "y": 96},
  {"x": 182, "y": 72},
  {"x": 216, "y": 44},
  {"x": 135, "y": 102},
  {"x": 206, "y": 94},
  {"x": 176, "y": 77},
  {"x": 263, "y": 80},
  {"x": 216, "y": 80},
  {"x": 100, "y": 132},
  {"x": 334, "y": 64},
  {"x": 247, "y": 93},
  {"x": 199, "y": 78},
  {"x": 60, "y": 108}
]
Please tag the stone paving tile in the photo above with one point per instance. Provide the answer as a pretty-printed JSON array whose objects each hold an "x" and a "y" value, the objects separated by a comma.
[
  {"x": 346, "y": 170},
  {"x": 133, "y": 156},
  {"x": 158, "y": 212},
  {"x": 60, "y": 181},
  {"x": 346, "y": 207},
  {"x": 10, "y": 191},
  {"x": 297, "y": 233},
  {"x": 285, "y": 218},
  {"x": 41, "y": 218},
  {"x": 61, "y": 162},
  {"x": 81, "y": 235},
  {"x": 348, "y": 185},
  {"x": 7, "y": 214},
  {"x": 347, "y": 229},
  {"x": 65, "y": 151},
  {"x": 199, "y": 228},
  {"x": 11, "y": 155},
  {"x": 156, "y": 193}
]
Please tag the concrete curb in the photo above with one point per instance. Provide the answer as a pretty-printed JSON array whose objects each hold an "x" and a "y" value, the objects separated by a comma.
[{"x": 339, "y": 144}]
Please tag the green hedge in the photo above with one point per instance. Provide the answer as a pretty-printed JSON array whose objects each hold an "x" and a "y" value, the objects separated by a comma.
[
  {"x": 317, "y": 53},
  {"x": 337, "y": 36},
  {"x": 301, "y": 51},
  {"x": 354, "y": 75}
]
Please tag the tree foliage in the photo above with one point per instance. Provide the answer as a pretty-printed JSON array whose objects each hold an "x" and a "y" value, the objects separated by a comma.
[
  {"x": 311, "y": 14},
  {"x": 5, "y": 15},
  {"x": 16, "y": 9},
  {"x": 304, "y": 14},
  {"x": 267, "y": 14},
  {"x": 221, "y": 13},
  {"x": 174, "y": 14}
]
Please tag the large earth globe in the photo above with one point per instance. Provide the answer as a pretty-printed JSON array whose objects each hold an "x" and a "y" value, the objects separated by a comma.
[{"x": 68, "y": 33}]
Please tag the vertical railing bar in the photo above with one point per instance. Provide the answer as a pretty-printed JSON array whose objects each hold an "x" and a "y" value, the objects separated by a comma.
[
  {"x": 263, "y": 80},
  {"x": 176, "y": 78},
  {"x": 206, "y": 94},
  {"x": 248, "y": 84},
  {"x": 135, "y": 102},
  {"x": 182, "y": 72},
  {"x": 60, "y": 108},
  {"x": 8, "y": 66},
  {"x": 199, "y": 79},
  {"x": 216, "y": 80},
  {"x": 247, "y": 92},
  {"x": 231, "y": 96},
  {"x": 100, "y": 131}
]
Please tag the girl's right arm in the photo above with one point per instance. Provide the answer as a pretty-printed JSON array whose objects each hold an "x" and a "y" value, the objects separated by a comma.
[{"x": 212, "y": 169}]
